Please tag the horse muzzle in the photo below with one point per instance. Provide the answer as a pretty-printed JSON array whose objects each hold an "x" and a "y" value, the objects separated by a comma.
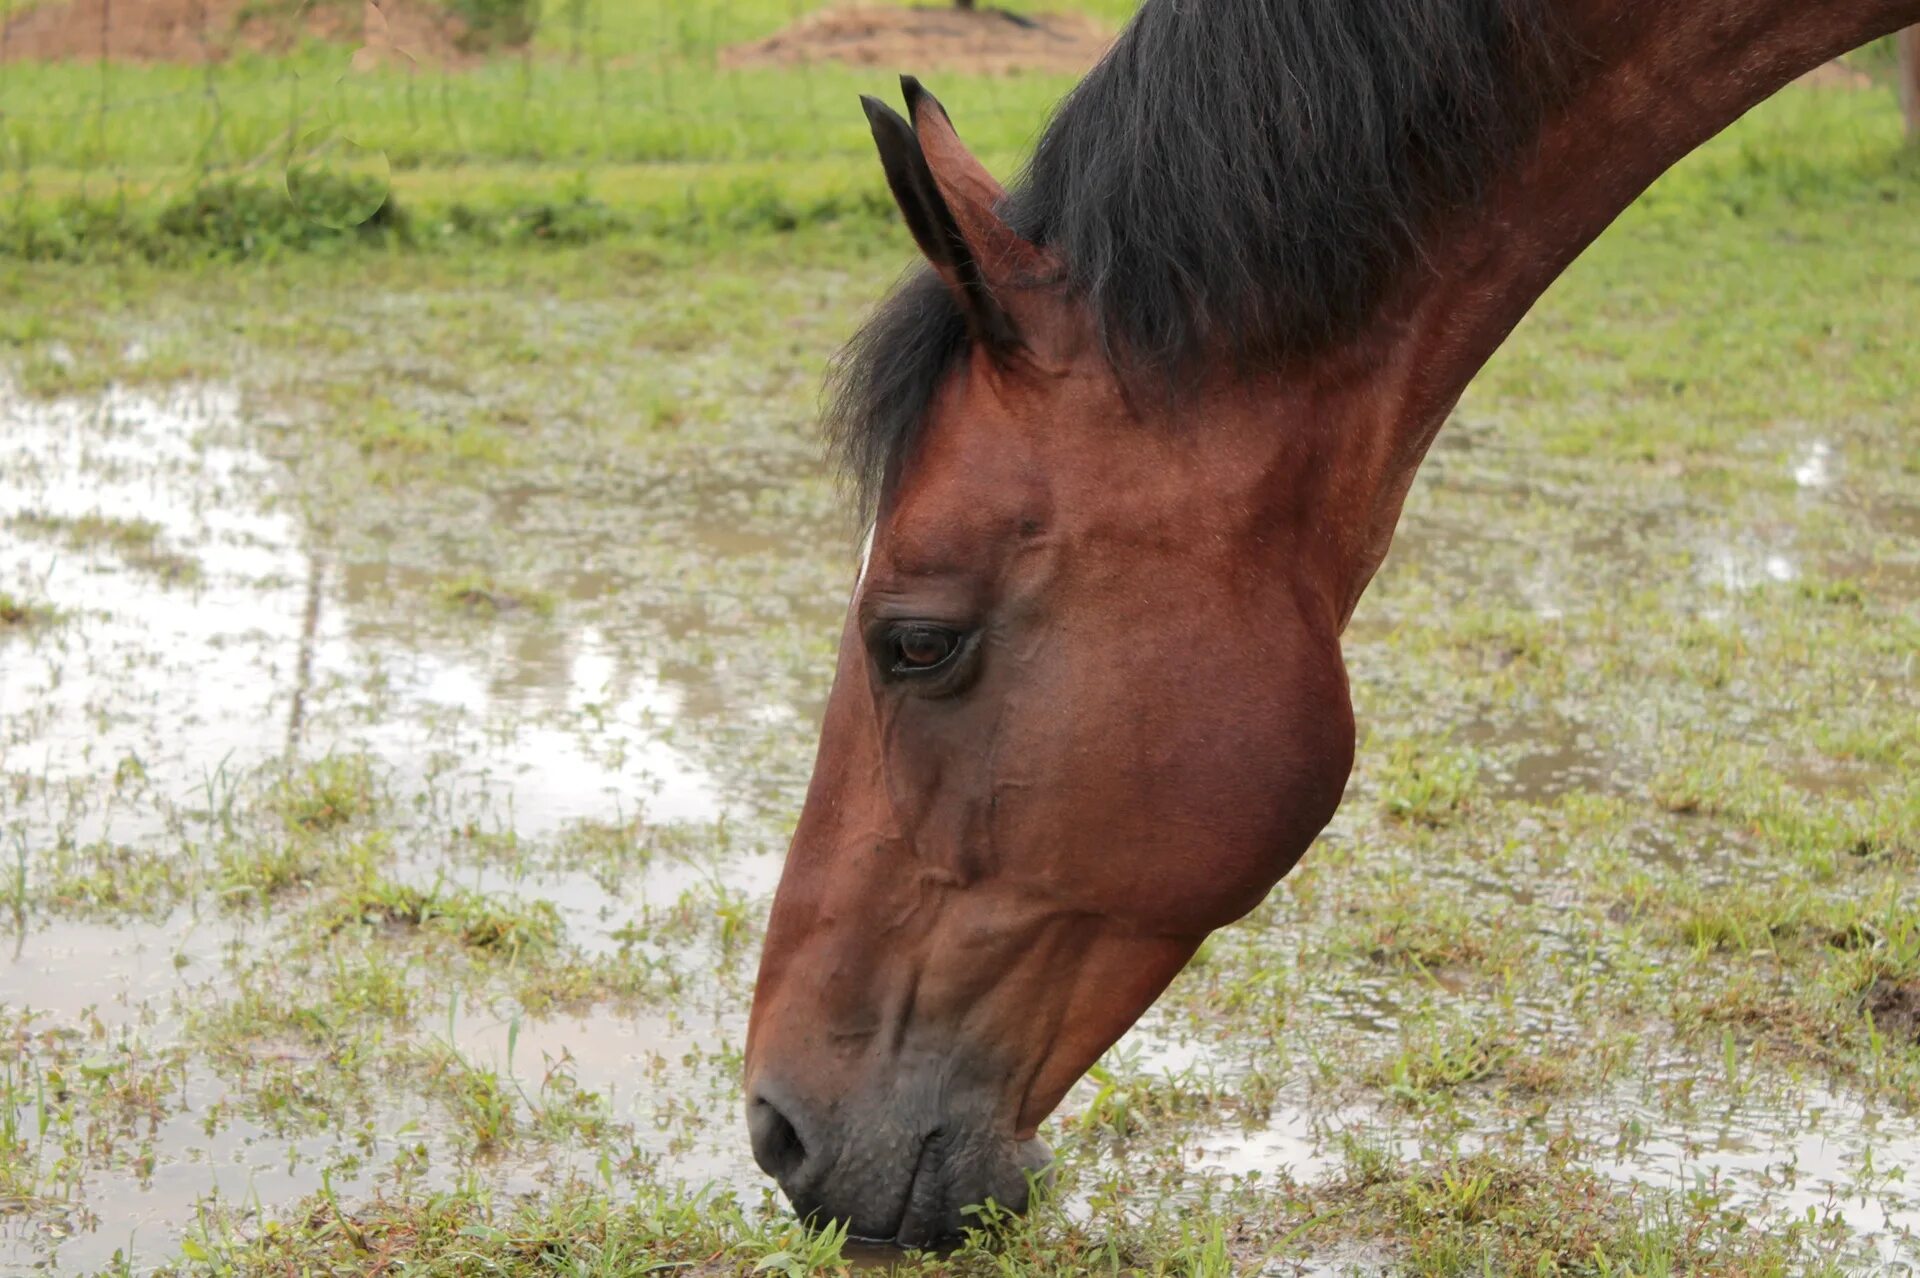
[{"x": 903, "y": 1171}]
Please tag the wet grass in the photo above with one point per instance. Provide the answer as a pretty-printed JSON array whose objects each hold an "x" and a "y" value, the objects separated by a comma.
[
  {"x": 1610, "y": 964},
  {"x": 136, "y": 542},
  {"x": 482, "y": 596},
  {"x": 23, "y": 614},
  {"x": 325, "y": 795}
]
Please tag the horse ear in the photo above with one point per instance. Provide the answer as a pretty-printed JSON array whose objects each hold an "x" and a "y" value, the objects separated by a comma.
[
  {"x": 950, "y": 211},
  {"x": 971, "y": 192}
]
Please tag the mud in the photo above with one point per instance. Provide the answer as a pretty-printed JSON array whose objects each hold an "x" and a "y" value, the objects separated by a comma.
[
  {"x": 201, "y": 31},
  {"x": 983, "y": 41},
  {"x": 1895, "y": 1008}
]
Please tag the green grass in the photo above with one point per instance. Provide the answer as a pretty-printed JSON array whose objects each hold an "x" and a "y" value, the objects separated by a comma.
[
  {"x": 633, "y": 82},
  {"x": 479, "y": 595},
  {"x": 1466, "y": 1216},
  {"x": 478, "y": 922},
  {"x": 620, "y": 122},
  {"x": 324, "y": 795},
  {"x": 17, "y": 614},
  {"x": 136, "y": 542}
]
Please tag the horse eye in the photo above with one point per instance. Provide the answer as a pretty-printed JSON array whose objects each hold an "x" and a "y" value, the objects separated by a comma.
[{"x": 918, "y": 650}]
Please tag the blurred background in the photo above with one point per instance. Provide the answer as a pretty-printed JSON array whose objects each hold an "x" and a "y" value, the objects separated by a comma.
[
  {"x": 153, "y": 123},
  {"x": 490, "y": 117}
]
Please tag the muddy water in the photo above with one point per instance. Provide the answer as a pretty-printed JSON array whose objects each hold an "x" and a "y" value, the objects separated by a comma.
[
  {"x": 265, "y": 656},
  {"x": 154, "y": 705},
  {"x": 600, "y": 697},
  {"x": 1805, "y": 1154}
]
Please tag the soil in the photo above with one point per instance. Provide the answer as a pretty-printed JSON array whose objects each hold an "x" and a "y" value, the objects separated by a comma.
[
  {"x": 200, "y": 31},
  {"x": 1896, "y": 1009},
  {"x": 980, "y": 41}
]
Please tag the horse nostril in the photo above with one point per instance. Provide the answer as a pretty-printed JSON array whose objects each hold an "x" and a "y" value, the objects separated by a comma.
[{"x": 777, "y": 1147}]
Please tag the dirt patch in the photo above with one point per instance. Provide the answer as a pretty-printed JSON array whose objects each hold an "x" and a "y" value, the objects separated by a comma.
[
  {"x": 200, "y": 31},
  {"x": 981, "y": 41},
  {"x": 1896, "y": 1009}
]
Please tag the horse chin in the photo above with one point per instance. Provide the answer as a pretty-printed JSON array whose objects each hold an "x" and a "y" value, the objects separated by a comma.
[
  {"x": 945, "y": 1186},
  {"x": 924, "y": 1193}
]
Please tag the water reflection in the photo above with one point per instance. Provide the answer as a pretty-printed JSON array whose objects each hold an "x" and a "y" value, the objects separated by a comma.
[
  {"x": 134, "y": 720},
  {"x": 1814, "y": 466},
  {"x": 273, "y": 648}
]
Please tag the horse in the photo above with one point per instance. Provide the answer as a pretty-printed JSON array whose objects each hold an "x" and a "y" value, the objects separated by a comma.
[{"x": 1133, "y": 441}]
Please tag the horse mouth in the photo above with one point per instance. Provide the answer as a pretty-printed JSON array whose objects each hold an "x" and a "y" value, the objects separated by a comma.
[{"x": 921, "y": 1205}]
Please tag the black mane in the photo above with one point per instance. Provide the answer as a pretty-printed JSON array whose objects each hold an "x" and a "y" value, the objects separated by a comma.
[{"x": 1237, "y": 179}]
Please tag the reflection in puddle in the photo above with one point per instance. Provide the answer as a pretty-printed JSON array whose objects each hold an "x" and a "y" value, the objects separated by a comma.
[
  {"x": 1814, "y": 468},
  {"x": 145, "y": 713},
  {"x": 262, "y": 654},
  {"x": 1737, "y": 567},
  {"x": 1811, "y": 1156},
  {"x": 672, "y": 1074}
]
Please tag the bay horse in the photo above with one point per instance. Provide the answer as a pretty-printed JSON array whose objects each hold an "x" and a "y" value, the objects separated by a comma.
[{"x": 1134, "y": 442}]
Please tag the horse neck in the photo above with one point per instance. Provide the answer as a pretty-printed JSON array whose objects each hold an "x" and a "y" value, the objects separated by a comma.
[{"x": 1654, "y": 79}]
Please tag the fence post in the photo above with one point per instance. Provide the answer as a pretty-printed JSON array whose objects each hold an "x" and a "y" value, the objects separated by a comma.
[{"x": 1909, "y": 73}]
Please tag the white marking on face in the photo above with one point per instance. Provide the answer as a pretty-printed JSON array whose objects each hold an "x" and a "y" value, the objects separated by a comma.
[{"x": 866, "y": 557}]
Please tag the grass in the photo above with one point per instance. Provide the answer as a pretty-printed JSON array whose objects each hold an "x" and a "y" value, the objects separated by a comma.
[
  {"x": 1472, "y": 1215},
  {"x": 138, "y": 543},
  {"x": 621, "y": 121},
  {"x": 17, "y": 614},
  {"x": 1484, "y": 1214},
  {"x": 611, "y": 83},
  {"x": 1627, "y": 861},
  {"x": 586, "y": 140},
  {"x": 325, "y": 795},
  {"x": 1428, "y": 782},
  {"x": 480, "y": 595},
  {"x": 479, "y": 923}
]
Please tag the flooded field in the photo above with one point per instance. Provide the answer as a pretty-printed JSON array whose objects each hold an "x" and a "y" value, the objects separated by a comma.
[
  {"x": 409, "y": 682},
  {"x": 221, "y": 685}
]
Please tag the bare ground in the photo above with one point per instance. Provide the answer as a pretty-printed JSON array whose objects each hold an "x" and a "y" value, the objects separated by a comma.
[
  {"x": 199, "y": 31},
  {"x": 982, "y": 41}
]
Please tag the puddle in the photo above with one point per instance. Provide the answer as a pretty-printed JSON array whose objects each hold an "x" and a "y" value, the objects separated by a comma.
[
  {"x": 673, "y": 1074},
  {"x": 1817, "y": 1156},
  {"x": 118, "y": 976},
  {"x": 1814, "y": 466},
  {"x": 1784, "y": 1150},
  {"x": 276, "y": 648},
  {"x": 1740, "y": 563},
  {"x": 1536, "y": 758},
  {"x": 651, "y": 656},
  {"x": 1301, "y": 1144},
  {"x": 239, "y": 1163},
  {"x": 1812, "y": 1154},
  {"x": 142, "y": 715}
]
